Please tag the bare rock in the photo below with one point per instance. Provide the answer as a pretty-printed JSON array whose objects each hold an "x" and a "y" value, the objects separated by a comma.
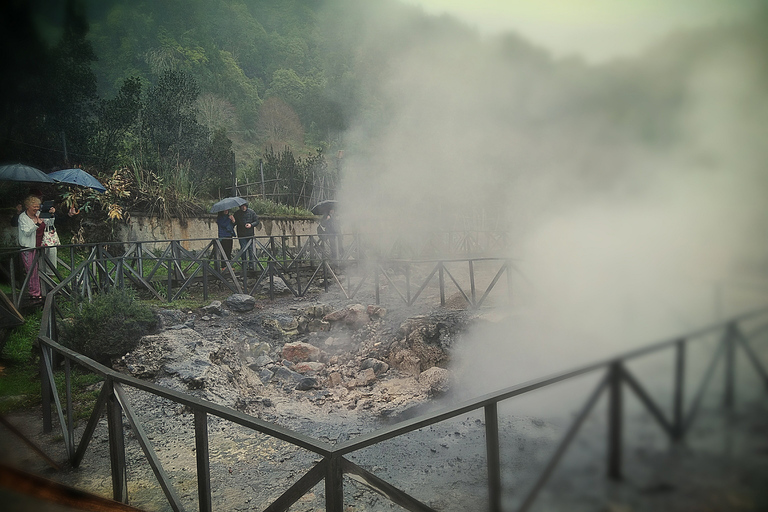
[
  {"x": 334, "y": 379},
  {"x": 299, "y": 352},
  {"x": 214, "y": 308},
  {"x": 407, "y": 362},
  {"x": 378, "y": 367},
  {"x": 308, "y": 367},
  {"x": 241, "y": 303},
  {"x": 354, "y": 316},
  {"x": 375, "y": 311},
  {"x": 436, "y": 380},
  {"x": 307, "y": 383},
  {"x": 167, "y": 318},
  {"x": 283, "y": 325},
  {"x": 364, "y": 378}
]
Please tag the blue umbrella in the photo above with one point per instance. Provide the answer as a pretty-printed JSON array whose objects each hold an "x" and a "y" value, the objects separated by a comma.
[
  {"x": 77, "y": 177},
  {"x": 21, "y": 172}
]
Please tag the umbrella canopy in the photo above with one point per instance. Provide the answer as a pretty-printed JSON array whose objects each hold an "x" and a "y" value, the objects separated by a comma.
[
  {"x": 77, "y": 177},
  {"x": 324, "y": 207},
  {"x": 21, "y": 172},
  {"x": 228, "y": 203}
]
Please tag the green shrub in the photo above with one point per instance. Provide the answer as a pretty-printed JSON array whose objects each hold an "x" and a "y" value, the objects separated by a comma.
[{"x": 108, "y": 327}]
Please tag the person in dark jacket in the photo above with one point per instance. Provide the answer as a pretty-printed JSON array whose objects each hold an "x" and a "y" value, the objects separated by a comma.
[
  {"x": 246, "y": 220},
  {"x": 329, "y": 233},
  {"x": 226, "y": 223}
]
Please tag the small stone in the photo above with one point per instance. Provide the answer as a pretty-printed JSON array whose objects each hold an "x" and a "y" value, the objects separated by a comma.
[{"x": 307, "y": 383}]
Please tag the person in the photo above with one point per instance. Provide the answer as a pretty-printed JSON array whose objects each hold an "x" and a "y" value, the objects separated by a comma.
[
  {"x": 226, "y": 223},
  {"x": 49, "y": 216},
  {"x": 328, "y": 231},
  {"x": 31, "y": 229},
  {"x": 247, "y": 221}
]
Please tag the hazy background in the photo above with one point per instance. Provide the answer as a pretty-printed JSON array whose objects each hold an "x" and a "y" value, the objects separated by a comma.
[{"x": 630, "y": 172}]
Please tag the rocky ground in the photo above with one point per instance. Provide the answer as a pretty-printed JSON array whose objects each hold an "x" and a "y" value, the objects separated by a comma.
[{"x": 332, "y": 369}]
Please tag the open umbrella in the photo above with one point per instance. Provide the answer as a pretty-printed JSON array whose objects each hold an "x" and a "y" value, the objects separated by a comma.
[
  {"x": 228, "y": 203},
  {"x": 77, "y": 177},
  {"x": 324, "y": 207},
  {"x": 21, "y": 172}
]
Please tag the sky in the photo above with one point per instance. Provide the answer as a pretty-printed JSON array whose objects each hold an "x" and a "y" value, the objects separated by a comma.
[{"x": 596, "y": 30}]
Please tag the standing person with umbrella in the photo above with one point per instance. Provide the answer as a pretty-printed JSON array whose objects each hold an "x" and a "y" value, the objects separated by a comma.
[
  {"x": 246, "y": 220},
  {"x": 226, "y": 224},
  {"x": 31, "y": 229},
  {"x": 226, "y": 221}
]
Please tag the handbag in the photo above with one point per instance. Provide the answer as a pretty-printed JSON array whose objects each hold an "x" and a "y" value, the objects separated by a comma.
[{"x": 51, "y": 237}]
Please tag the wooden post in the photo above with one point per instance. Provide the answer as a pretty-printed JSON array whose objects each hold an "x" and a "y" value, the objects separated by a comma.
[
  {"x": 334, "y": 486},
  {"x": 203, "y": 465},
  {"x": 116, "y": 446},
  {"x": 494, "y": 459},
  {"x": 615, "y": 407},
  {"x": 678, "y": 405},
  {"x": 730, "y": 362}
]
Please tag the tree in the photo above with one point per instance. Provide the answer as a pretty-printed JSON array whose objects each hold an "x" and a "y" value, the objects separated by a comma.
[
  {"x": 293, "y": 178},
  {"x": 219, "y": 160},
  {"x": 169, "y": 123},
  {"x": 114, "y": 119},
  {"x": 278, "y": 124},
  {"x": 72, "y": 86},
  {"x": 215, "y": 113}
]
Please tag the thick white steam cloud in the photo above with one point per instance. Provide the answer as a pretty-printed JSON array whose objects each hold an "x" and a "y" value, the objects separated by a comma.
[{"x": 634, "y": 193}]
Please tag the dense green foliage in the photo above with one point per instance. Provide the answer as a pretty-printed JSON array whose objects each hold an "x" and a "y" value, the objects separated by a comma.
[
  {"x": 182, "y": 91},
  {"x": 109, "y": 326}
]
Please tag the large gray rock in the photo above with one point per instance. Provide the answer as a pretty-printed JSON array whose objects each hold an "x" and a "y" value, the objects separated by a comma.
[
  {"x": 214, "y": 308},
  {"x": 241, "y": 303},
  {"x": 436, "y": 380},
  {"x": 183, "y": 359},
  {"x": 278, "y": 286},
  {"x": 167, "y": 318}
]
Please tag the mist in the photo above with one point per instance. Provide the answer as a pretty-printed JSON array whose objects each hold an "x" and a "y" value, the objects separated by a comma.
[{"x": 633, "y": 192}]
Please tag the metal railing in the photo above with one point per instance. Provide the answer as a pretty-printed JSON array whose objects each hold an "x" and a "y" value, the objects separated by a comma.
[
  {"x": 615, "y": 377},
  {"x": 166, "y": 269}
]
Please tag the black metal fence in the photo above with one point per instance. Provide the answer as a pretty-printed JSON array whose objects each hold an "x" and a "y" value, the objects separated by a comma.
[
  {"x": 615, "y": 378},
  {"x": 167, "y": 270},
  {"x": 101, "y": 269}
]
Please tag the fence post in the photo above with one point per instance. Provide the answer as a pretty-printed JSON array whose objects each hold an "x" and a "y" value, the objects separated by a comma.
[
  {"x": 615, "y": 407},
  {"x": 678, "y": 405},
  {"x": 45, "y": 390},
  {"x": 334, "y": 485},
  {"x": 472, "y": 290},
  {"x": 116, "y": 446},
  {"x": 730, "y": 360},
  {"x": 203, "y": 464},
  {"x": 441, "y": 280},
  {"x": 494, "y": 460}
]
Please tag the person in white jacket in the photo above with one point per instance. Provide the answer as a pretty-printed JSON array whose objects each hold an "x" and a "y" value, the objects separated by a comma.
[{"x": 31, "y": 229}]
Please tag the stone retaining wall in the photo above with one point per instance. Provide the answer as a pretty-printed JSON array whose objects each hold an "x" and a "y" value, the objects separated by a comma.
[{"x": 198, "y": 231}]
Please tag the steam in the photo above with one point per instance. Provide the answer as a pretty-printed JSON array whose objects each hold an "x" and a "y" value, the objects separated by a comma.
[{"x": 621, "y": 240}]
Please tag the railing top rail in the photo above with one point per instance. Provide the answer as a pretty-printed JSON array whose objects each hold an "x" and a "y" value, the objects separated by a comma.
[{"x": 10, "y": 250}]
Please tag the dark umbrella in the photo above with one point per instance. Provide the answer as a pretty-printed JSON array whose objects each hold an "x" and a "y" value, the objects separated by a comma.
[
  {"x": 324, "y": 207},
  {"x": 228, "y": 203},
  {"x": 77, "y": 177},
  {"x": 21, "y": 172}
]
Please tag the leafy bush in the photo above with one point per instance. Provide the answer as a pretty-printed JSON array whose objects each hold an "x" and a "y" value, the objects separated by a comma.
[{"x": 110, "y": 326}]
